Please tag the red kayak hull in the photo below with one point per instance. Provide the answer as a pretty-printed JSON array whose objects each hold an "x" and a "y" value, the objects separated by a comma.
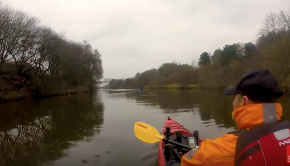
[{"x": 174, "y": 127}]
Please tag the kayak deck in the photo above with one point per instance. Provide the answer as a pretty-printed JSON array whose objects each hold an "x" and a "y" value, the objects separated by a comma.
[{"x": 174, "y": 128}]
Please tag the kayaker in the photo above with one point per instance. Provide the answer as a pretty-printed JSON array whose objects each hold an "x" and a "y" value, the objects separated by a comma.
[{"x": 255, "y": 104}]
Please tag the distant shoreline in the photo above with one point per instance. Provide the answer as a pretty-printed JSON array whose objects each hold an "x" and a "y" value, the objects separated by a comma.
[{"x": 172, "y": 86}]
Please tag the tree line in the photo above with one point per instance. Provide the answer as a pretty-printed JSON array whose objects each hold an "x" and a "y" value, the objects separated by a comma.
[
  {"x": 35, "y": 57},
  {"x": 225, "y": 66}
]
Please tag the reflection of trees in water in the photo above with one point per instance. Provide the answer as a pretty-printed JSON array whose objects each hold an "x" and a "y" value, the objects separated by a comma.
[
  {"x": 17, "y": 144},
  {"x": 170, "y": 101},
  {"x": 210, "y": 104},
  {"x": 34, "y": 132},
  {"x": 215, "y": 105}
]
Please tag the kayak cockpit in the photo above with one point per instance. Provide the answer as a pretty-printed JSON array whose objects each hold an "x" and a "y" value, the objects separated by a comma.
[
  {"x": 177, "y": 142},
  {"x": 173, "y": 151}
]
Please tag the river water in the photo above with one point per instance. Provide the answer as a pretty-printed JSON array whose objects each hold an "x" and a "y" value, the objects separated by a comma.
[{"x": 97, "y": 130}]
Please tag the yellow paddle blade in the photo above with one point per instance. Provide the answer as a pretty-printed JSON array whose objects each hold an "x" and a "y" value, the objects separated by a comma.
[{"x": 146, "y": 133}]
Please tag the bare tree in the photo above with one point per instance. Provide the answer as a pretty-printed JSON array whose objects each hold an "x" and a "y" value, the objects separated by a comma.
[{"x": 278, "y": 24}]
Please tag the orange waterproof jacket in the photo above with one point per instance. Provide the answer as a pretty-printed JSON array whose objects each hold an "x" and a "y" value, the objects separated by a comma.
[{"x": 221, "y": 151}]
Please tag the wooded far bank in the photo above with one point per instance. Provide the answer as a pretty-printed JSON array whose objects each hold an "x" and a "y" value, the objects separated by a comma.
[{"x": 225, "y": 66}]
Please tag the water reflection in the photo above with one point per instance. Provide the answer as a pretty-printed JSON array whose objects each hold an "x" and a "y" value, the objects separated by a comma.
[
  {"x": 70, "y": 130},
  {"x": 206, "y": 111},
  {"x": 211, "y": 105},
  {"x": 37, "y": 132}
]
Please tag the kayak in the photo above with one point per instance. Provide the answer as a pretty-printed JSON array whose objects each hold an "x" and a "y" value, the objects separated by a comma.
[{"x": 179, "y": 134}]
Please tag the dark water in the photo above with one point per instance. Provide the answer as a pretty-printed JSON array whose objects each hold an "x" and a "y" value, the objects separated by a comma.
[{"x": 97, "y": 130}]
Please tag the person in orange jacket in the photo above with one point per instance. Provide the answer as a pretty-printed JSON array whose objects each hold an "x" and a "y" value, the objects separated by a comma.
[{"x": 255, "y": 103}]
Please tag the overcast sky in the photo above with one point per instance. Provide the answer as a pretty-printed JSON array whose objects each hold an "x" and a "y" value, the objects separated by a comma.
[{"x": 137, "y": 35}]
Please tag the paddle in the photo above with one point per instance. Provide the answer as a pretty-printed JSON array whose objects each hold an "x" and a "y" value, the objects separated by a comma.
[{"x": 149, "y": 134}]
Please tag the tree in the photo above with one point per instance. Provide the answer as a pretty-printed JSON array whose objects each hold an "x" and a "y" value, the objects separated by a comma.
[
  {"x": 230, "y": 53},
  {"x": 216, "y": 57},
  {"x": 250, "y": 50},
  {"x": 42, "y": 58},
  {"x": 278, "y": 25},
  {"x": 204, "y": 59},
  {"x": 274, "y": 45}
]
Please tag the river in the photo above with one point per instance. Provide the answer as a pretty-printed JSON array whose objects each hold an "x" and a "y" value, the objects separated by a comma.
[{"x": 90, "y": 130}]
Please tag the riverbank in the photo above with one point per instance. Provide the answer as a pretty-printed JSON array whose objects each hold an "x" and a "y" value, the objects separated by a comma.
[
  {"x": 176, "y": 87},
  {"x": 172, "y": 86},
  {"x": 14, "y": 87},
  {"x": 23, "y": 94}
]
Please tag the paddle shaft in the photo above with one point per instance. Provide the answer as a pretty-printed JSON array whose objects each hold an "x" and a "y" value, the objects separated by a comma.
[{"x": 177, "y": 143}]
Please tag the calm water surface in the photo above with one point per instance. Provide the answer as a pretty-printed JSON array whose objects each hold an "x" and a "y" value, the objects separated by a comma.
[{"x": 97, "y": 130}]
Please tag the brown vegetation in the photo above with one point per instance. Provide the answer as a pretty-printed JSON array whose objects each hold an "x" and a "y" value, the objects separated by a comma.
[
  {"x": 227, "y": 65},
  {"x": 35, "y": 61}
]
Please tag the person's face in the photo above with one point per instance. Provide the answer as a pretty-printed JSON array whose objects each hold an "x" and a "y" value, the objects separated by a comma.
[{"x": 240, "y": 101}]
